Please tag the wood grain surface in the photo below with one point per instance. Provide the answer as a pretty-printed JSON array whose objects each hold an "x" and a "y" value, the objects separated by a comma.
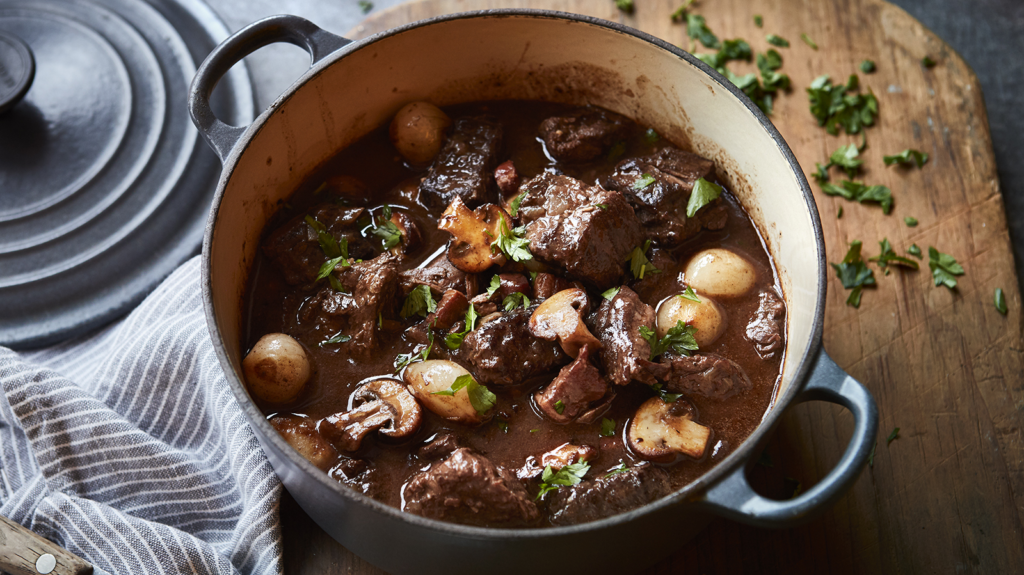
[{"x": 947, "y": 495}]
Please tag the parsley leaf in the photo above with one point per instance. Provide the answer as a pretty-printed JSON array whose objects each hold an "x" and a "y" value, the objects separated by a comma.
[
  {"x": 690, "y": 294},
  {"x": 835, "y": 108},
  {"x": 419, "y": 302},
  {"x": 758, "y": 20},
  {"x": 328, "y": 266},
  {"x": 821, "y": 175},
  {"x": 927, "y": 62},
  {"x": 514, "y": 300},
  {"x": 569, "y": 475},
  {"x": 846, "y": 158},
  {"x": 405, "y": 359},
  {"x": 703, "y": 193},
  {"x": 454, "y": 340},
  {"x": 737, "y": 49},
  {"x": 839, "y": 213},
  {"x": 889, "y": 257},
  {"x": 644, "y": 181},
  {"x": 679, "y": 339},
  {"x": 365, "y": 6},
  {"x": 638, "y": 262},
  {"x": 387, "y": 231},
  {"x": 335, "y": 284},
  {"x": 495, "y": 284},
  {"x": 337, "y": 338},
  {"x": 807, "y": 40},
  {"x": 867, "y": 66},
  {"x": 559, "y": 407},
  {"x": 513, "y": 208},
  {"x": 651, "y": 137},
  {"x": 858, "y": 192},
  {"x": 776, "y": 40},
  {"x": 664, "y": 395},
  {"x": 602, "y": 206},
  {"x": 854, "y": 273},
  {"x": 481, "y": 397},
  {"x": 622, "y": 468},
  {"x": 1000, "y": 301},
  {"x": 944, "y": 268},
  {"x": 512, "y": 242},
  {"x": 907, "y": 157},
  {"x": 914, "y": 251},
  {"x": 607, "y": 427},
  {"x": 893, "y": 435},
  {"x": 697, "y": 29},
  {"x": 610, "y": 293},
  {"x": 625, "y": 6},
  {"x": 331, "y": 247}
]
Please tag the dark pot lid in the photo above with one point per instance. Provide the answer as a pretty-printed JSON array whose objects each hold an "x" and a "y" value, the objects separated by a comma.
[{"x": 105, "y": 186}]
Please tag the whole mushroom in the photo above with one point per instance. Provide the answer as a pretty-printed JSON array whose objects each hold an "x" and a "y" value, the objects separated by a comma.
[
  {"x": 276, "y": 369},
  {"x": 382, "y": 405}
]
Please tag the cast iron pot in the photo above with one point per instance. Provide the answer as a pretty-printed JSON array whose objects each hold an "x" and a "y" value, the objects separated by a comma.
[{"x": 353, "y": 87}]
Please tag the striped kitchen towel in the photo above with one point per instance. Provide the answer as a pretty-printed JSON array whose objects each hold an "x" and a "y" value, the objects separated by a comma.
[{"x": 127, "y": 447}]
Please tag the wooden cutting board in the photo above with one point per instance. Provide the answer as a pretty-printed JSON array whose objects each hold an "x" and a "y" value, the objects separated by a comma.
[{"x": 947, "y": 495}]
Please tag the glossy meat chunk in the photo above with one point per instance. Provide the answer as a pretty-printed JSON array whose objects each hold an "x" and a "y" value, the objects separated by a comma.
[
  {"x": 571, "y": 393},
  {"x": 440, "y": 275},
  {"x": 608, "y": 495},
  {"x": 465, "y": 166},
  {"x": 764, "y": 329},
  {"x": 661, "y": 205},
  {"x": 705, "y": 374},
  {"x": 625, "y": 353},
  {"x": 294, "y": 247},
  {"x": 583, "y": 134},
  {"x": 467, "y": 488},
  {"x": 585, "y": 231},
  {"x": 504, "y": 352}
]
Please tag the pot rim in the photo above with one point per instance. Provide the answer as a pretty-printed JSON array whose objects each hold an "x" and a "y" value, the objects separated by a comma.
[{"x": 692, "y": 492}]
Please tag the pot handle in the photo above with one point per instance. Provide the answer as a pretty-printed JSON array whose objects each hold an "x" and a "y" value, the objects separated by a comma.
[
  {"x": 292, "y": 29},
  {"x": 734, "y": 498}
]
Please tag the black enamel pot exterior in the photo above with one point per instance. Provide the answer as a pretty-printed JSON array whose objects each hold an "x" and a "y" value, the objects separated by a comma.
[{"x": 352, "y": 87}]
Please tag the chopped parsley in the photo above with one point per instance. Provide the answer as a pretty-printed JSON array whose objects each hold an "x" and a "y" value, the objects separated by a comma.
[
  {"x": 481, "y": 397},
  {"x": 625, "y": 6},
  {"x": 888, "y": 257},
  {"x": 569, "y": 475},
  {"x": 513, "y": 208},
  {"x": 365, "y": 6},
  {"x": 602, "y": 206},
  {"x": 419, "y": 302},
  {"x": 664, "y": 395},
  {"x": 638, "y": 262},
  {"x": 405, "y": 359},
  {"x": 328, "y": 266},
  {"x": 337, "y": 338},
  {"x": 859, "y": 192},
  {"x": 559, "y": 407},
  {"x": 758, "y": 20},
  {"x": 622, "y": 468},
  {"x": 335, "y": 283},
  {"x": 839, "y": 214},
  {"x": 776, "y": 40},
  {"x": 651, "y": 136},
  {"x": 944, "y": 268},
  {"x": 835, "y": 106},
  {"x": 821, "y": 175},
  {"x": 607, "y": 427},
  {"x": 454, "y": 340},
  {"x": 854, "y": 273},
  {"x": 807, "y": 40},
  {"x": 495, "y": 284},
  {"x": 867, "y": 66},
  {"x": 1000, "y": 301},
  {"x": 703, "y": 193},
  {"x": 911, "y": 222},
  {"x": 927, "y": 62},
  {"x": 846, "y": 158},
  {"x": 610, "y": 293},
  {"x": 387, "y": 231},
  {"x": 914, "y": 251},
  {"x": 907, "y": 157},
  {"x": 644, "y": 181},
  {"x": 679, "y": 339},
  {"x": 768, "y": 63},
  {"x": 511, "y": 242},
  {"x": 893, "y": 435},
  {"x": 680, "y": 13},
  {"x": 697, "y": 29},
  {"x": 690, "y": 294},
  {"x": 331, "y": 247},
  {"x": 514, "y": 300}
]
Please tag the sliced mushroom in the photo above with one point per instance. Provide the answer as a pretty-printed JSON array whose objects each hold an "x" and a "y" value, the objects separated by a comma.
[
  {"x": 561, "y": 316},
  {"x": 662, "y": 430},
  {"x": 410, "y": 233},
  {"x": 706, "y": 315},
  {"x": 276, "y": 369},
  {"x": 720, "y": 272},
  {"x": 418, "y": 131},
  {"x": 557, "y": 458},
  {"x": 426, "y": 378},
  {"x": 300, "y": 432},
  {"x": 473, "y": 231},
  {"x": 384, "y": 405}
]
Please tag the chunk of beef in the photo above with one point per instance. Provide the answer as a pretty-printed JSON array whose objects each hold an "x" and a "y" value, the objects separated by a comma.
[
  {"x": 372, "y": 287},
  {"x": 295, "y": 249},
  {"x": 577, "y": 386},
  {"x": 661, "y": 205},
  {"x": 507, "y": 178},
  {"x": 450, "y": 310},
  {"x": 625, "y": 353},
  {"x": 764, "y": 329},
  {"x": 557, "y": 458},
  {"x": 502, "y": 351},
  {"x": 584, "y": 230},
  {"x": 465, "y": 165},
  {"x": 467, "y": 488},
  {"x": 705, "y": 374},
  {"x": 438, "y": 447},
  {"x": 508, "y": 284},
  {"x": 440, "y": 275},
  {"x": 583, "y": 134},
  {"x": 652, "y": 287},
  {"x": 605, "y": 496}
]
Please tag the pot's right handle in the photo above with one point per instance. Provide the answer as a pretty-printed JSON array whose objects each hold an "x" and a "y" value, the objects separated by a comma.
[
  {"x": 292, "y": 29},
  {"x": 734, "y": 498}
]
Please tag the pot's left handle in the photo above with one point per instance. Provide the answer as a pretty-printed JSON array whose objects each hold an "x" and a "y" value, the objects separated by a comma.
[{"x": 292, "y": 29}]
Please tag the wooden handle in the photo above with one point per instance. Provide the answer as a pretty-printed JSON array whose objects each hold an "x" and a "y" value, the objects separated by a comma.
[{"x": 25, "y": 553}]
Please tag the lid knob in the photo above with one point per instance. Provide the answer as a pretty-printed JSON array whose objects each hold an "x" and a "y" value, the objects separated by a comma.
[{"x": 17, "y": 68}]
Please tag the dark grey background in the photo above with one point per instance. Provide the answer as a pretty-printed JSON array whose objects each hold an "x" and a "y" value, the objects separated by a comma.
[{"x": 989, "y": 34}]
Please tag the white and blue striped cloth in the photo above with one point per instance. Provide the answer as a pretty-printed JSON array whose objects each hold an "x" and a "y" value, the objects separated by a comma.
[{"x": 127, "y": 447}]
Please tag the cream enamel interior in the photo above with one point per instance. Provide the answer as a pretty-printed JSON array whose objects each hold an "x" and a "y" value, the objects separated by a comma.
[{"x": 517, "y": 57}]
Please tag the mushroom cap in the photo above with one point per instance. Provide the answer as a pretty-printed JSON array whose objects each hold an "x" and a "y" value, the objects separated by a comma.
[
  {"x": 660, "y": 431},
  {"x": 276, "y": 369},
  {"x": 561, "y": 316}
]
